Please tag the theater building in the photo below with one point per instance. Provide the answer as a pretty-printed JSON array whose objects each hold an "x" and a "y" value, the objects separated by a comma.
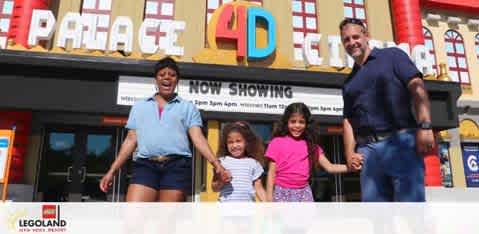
[
  {"x": 451, "y": 34},
  {"x": 72, "y": 69}
]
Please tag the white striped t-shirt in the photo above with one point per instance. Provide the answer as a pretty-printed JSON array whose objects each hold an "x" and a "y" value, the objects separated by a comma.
[{"x": 244, "y": 172}]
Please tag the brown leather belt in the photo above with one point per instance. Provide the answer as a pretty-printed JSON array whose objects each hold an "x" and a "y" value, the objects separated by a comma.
[
  {"x": 163, "y": 158},
  {"x": 372, "y": 138}
]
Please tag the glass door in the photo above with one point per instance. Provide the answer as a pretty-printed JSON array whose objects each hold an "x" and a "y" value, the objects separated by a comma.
[
  {"x": 100, "y": 146},
  {"x": 335, "y": 187},
  {"x": 57, "y": 165},
  {"x": 74, "y": 160}
]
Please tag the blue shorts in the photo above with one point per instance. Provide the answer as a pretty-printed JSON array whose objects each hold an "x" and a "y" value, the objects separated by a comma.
[
  {"x": 173, "y": 174},
  {"x": 392, "y": 170}
]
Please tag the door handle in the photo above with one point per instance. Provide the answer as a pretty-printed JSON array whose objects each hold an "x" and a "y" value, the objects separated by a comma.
[
  {"x": 83, "y": 177},
  {"x": 69, "y": 174}
]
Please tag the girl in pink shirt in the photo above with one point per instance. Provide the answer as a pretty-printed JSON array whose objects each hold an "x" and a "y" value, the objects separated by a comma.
[{"x": 291, "y": 153}]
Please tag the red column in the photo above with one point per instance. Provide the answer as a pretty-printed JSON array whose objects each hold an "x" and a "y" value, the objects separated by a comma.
[
  {"x": 22, "y": 121},
  {"x": 407, "y": 22},
  {"x": 21, "y": 17},
  {"x": 408, "y": 29},
  {"x": 432, "y": 173}
]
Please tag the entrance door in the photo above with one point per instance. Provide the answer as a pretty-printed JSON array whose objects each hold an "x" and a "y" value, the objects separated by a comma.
[
  {"x": 335, "y": 187},
  {"x": 74, "y": 160}
]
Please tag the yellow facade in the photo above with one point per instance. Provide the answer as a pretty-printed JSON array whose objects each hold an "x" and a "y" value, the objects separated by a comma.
[
  {"x": 470, "y": 93},
  {"x": 193, "y": 38},
  {"x": 438, "y": 29}
]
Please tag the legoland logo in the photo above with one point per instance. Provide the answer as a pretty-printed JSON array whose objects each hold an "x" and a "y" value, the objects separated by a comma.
[
  {"x": 49, "y": 222},
  {"x": 238, "y": 22}
]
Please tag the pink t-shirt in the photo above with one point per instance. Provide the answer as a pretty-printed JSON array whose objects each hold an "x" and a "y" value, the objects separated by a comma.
[{"x": 291, "y": 158}]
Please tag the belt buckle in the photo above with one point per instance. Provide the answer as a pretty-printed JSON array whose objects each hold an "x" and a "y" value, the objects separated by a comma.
[{"x": 159, "y": 158}]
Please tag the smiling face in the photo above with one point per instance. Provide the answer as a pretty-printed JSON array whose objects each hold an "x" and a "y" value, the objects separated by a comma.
[
  {"x": 236, "y": 144},
  {"x": 166, "y": 80},
  {"x": 355, "y": 41},
  {"x": 296, "y": 125}
]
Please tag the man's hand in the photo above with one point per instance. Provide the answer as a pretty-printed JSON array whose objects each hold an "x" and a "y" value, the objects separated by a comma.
[
  {"x": 424, "y": 141},
  {"x": 355, "y": 162}
]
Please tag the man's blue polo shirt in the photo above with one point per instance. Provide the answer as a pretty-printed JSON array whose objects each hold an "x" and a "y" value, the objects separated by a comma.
[
  {"x": 163, "y": 134},
  {"x": 375, "y": 95}
]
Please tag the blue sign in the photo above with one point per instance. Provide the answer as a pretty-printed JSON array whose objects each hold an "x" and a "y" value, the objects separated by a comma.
[
  {"x": 470, "y": 157},
  {"x": 3, "y": 143}
]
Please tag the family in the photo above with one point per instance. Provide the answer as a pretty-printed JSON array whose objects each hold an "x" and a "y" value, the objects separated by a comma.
[{"x": 386, "y": 130}]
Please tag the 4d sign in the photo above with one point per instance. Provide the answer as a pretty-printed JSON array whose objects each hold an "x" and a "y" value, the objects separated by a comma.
[{"x": 238, "y": 22}]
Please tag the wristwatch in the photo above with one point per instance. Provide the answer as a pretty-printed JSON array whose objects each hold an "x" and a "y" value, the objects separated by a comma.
[{"x": 425, "y": 125}]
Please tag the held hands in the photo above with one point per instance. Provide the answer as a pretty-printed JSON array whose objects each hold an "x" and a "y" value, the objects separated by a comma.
[
  {"x": 355, "y": 162},
  {"x": 424, "y": 141},
  {"x": 224, "y": 175}
]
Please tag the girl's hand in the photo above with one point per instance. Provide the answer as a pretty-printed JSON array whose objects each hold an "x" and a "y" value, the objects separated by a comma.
[
  {"x": 269, "y": 197},
  {"x": 218, "y": 181},
  {"x": 355, "y": 162},
  {"x": 223, "y": 174},
  {"x": 226, "y": 176}
]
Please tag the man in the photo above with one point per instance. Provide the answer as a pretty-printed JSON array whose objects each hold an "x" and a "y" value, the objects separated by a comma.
[
  {"x": 379, "y": 124},
  {"x": 159, "y": 126}
]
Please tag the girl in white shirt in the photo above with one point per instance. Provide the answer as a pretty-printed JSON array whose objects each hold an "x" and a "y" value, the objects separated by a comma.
[{"x": 241, "y": 153}]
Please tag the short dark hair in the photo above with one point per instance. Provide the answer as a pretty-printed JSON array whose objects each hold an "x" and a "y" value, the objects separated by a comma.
[
  {"x": 346, "y": 21},
  {"x": 169, "y": 63}
]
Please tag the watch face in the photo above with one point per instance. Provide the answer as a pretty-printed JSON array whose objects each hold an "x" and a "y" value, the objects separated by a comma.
[{"x": 425, "y": 125}]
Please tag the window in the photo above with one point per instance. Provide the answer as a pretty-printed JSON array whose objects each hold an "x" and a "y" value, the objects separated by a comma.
[
  {"x": 212, "y": 5},
  {"x": 456, "y": 57},
  {"x": 355, "y": 9},
  {"x": 304, "y": 22},
  {"x": 100, "y": 8},
  {"x": 97, "y": 15},
  {"x": 162, "y": 10},
  {"x": 477, "y": 46},
  {"x": 429, "y": 44},
  {"x": 6, "y": 10}
]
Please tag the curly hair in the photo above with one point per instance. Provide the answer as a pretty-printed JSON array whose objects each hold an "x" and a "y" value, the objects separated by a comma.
[
  {"x": 254, "y": 144},
  {"x": 310, "y": 135}
]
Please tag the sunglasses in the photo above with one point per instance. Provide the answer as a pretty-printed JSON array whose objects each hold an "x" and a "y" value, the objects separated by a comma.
[{"x": 351, "y": 21}]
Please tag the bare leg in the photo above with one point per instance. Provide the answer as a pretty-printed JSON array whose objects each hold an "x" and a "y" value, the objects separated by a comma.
[
  {"x": 171, "y": 195},
  {"x": 140, "y": 193}
]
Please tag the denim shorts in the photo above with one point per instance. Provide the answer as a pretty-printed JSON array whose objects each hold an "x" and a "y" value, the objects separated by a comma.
[
  {"x": 173, "y": 174},
  {"x": 392, "y": 170}
]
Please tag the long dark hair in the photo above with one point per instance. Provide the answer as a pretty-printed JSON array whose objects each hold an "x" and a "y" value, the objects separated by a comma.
[
  {"x": 254, "y": 144},
  {"x": 310, "y": 135}
]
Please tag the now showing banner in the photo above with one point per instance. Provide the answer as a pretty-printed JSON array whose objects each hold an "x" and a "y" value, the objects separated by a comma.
[{"x": 238, "y": 96}]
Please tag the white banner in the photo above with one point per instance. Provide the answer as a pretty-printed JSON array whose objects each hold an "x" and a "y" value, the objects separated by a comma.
[
  {"x": 134, "y": 88},
  {"x": 244, "y": 218},
  {"x": 237, "y": 96}
]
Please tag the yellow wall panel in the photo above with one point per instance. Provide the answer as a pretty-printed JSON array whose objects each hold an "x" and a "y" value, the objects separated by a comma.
[{"x": 213, "y": 141}]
